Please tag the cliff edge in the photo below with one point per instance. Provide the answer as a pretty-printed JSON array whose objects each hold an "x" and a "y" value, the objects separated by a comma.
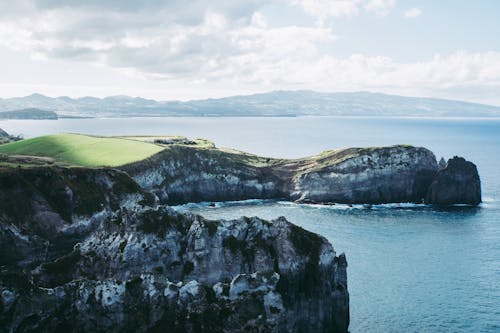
[
  {"x": 88, "y": 250},
  {"x": 181, "y": 174}
]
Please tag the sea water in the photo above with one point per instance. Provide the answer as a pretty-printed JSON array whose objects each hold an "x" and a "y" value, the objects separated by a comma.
[{"x": 412, "y": 268}]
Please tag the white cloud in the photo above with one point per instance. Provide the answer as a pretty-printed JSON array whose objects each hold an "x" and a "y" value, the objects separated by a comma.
[
  {"x": 323, "y": 10},
  {"x": 380, "y": 7},
  {"x": 413, "y": 12},
  {"x": 225, "y": 45}
]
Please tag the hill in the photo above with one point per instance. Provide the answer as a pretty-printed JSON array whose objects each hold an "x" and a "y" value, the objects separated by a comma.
[
  {"x": 83, "y": 150},
  {"x": 30, "y": 113},
  {"x": 276, "y": 103}
]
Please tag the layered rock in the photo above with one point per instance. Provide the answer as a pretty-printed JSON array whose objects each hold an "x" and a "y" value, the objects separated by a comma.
[
  {"x": 376, "y": 175},
  {"x": 181, "y": 174},
  {"x": 402, "y": 173},
  {"x": 457, "y": 183},
  {"x": 87, "y": 250},
  {"x": 354, "y": 175}
]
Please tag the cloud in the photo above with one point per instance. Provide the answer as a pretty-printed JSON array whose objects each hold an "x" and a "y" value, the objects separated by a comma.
[
  {"x": 323, "y": 10},
  {"x": 230, "y": 44},
  {"x": 413, "y": 12},
  {"x": 380, "y": 7}
]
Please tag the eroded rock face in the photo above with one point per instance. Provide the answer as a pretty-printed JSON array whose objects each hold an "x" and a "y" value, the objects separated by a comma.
[
  {"x": 382, "y": 175},
  {"x": 354, "y": 175},
  {"x": 185, "y": 174},
  {"x": 457, "y": 183},
  {"x": 51, "y": 204},
  {"x": 141, "y": 267}
]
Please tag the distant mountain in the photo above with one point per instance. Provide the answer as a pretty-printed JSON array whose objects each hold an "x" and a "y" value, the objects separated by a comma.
[
  {"x": 31, "y": 113},
  {"x": 276, "y": 103}
]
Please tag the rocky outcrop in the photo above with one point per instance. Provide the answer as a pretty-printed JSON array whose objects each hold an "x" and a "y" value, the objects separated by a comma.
[
  {"x": 51, "y": 204},
  {"x": 376, "y": 175},
  {"x": 457, "y": 183},
  {"x": 88, "y": 250},
  {"x": 6, "y": 138},
  {"x": 394, "y": 174},
  {"x": 181, "y": 174},
  {"x": 354, "y": 175}
]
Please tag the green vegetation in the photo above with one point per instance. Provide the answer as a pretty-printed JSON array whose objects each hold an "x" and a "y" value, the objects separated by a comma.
[
  {"x": 83, "y": 150},
  {"x": 101, "y": 151}
]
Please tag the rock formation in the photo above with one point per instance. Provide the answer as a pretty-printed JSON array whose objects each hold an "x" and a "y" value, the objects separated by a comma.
[
  {"x": 88, "y": 250},
  {"x": 6, "y": 138},
  {"x": 185, "y": 174},
  {"x": 457, "y": 183},
  {"x": 369, "y": 176},
  {"x": 95, "y": 250}
]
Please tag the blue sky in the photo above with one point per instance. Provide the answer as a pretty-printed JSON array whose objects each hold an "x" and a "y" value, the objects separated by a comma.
[{"x": 166, "y": 50}]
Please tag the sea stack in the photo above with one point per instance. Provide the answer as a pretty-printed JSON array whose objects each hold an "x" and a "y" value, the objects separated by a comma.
[{"x": 457, "y": 183}]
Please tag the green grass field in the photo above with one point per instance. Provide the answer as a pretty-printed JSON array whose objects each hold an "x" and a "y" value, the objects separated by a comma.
[{"x": 84, "y": 150}]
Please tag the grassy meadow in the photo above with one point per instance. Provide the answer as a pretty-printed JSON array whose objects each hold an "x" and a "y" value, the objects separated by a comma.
[{"x": 84, "y": 150}]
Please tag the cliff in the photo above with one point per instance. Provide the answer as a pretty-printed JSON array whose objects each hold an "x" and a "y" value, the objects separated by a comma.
[
  {"x": 178, "y": 170},
  {"x": 181, "y": 174},
  {"x": 89, "y": 250},
  {"x": 457, "y": 182}
]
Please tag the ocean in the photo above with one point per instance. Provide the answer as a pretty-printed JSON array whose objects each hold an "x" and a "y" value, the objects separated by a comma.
[{"x": 412, "y": 268}]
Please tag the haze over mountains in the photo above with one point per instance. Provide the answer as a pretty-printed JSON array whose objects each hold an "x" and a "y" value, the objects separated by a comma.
[{"x": 276, "y": 103}]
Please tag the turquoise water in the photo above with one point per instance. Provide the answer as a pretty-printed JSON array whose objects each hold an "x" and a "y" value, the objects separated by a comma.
[{"x": 411, "y": 268}]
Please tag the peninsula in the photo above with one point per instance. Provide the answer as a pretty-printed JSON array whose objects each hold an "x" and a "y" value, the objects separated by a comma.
[{"x": 89, "y": 241}]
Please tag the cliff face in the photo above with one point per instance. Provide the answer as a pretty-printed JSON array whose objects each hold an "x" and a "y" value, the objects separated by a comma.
[
  {"x": 183, "y": 174},
  {"x": 380, "y": 175},
  {"x": 88, "y": 250},
  {"x": 355, "y": 175},
  {"x": 457, "y": 183}
]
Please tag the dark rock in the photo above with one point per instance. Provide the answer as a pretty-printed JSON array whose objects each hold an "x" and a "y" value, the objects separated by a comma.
[
  {"x": 117, "y": 264},
  {"x": 442, "y": 163},
  {"x": 457, "y": 183}
]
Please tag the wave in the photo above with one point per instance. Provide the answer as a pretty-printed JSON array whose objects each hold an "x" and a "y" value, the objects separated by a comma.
[
  {"x": 336, "y": 206},
  {"x": 223, "y": 204}
]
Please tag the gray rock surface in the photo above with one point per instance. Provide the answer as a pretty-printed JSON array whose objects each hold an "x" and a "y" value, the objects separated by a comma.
[
  {"x": 376, "y": 175},
  {"x": 354, "y": 175},
  {"x": 457, "y": 183},
  {"x": 371, "y": 176},
  {"x": 86, "y": 250}
]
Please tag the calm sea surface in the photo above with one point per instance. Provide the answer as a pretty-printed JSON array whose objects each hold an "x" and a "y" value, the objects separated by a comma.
[{"x": 411, "y": 269}]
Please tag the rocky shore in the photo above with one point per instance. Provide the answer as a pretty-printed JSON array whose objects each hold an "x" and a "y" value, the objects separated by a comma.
[
  {"x": 393, "y": 174},
  {"x": 98, "y": 249}
]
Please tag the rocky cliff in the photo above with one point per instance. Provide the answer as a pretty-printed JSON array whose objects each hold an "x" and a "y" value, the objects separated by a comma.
[
  {"x": 456, "y": 183},
  {"x": 88, "y": 250},
  {"x": 181, "y": 174}
]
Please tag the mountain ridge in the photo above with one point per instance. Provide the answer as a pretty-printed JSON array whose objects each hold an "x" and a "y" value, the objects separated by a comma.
[{"x": 274, "y": 103}]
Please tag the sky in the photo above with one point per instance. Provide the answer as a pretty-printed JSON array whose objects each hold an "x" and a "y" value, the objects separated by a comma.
[{"x": 180, "y": 50}]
